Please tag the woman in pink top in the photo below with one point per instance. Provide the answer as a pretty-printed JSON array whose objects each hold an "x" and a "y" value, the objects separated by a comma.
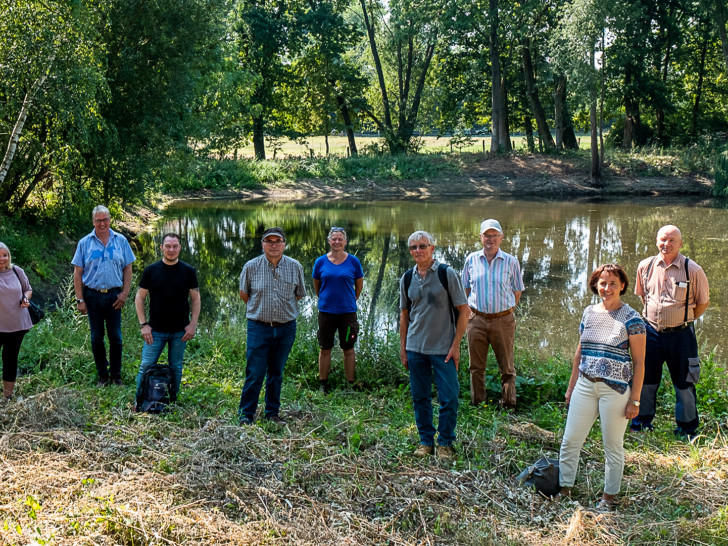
[{"x": 15, "y": 294}]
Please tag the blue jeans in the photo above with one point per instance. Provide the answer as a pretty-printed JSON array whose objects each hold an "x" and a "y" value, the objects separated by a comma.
[
  {"x": 151, "y": 354},
  {"x": 102, "y": 316},
  {"x": 421, "y": 369},
  {"x": 267, "y": 352}
]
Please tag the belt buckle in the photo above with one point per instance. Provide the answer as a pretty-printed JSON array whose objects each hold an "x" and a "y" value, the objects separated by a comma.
[{"x": 104, "y": 290}]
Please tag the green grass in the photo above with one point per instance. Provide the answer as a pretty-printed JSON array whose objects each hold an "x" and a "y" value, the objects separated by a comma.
[{"x": 77, "y": 462}]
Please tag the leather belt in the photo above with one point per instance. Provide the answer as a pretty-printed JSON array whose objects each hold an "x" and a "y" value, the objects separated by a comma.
[
  {"x": 673, "y": 329},
  {"x": 593, "y": 379},
  {"x": 103, "y": 290},
  {"x": 493, "y": 315},
  {"x": 270, "y": 323}
]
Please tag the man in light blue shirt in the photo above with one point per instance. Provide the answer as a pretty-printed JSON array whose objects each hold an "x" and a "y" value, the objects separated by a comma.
[
  {"x": 102, "y": 280},
  {"x": 492, "y": 280}
]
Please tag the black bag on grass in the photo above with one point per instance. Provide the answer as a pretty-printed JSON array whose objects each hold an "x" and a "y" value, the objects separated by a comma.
[
  {"x": 157, "y": 390},
  {"x": 543, "y": 476}
]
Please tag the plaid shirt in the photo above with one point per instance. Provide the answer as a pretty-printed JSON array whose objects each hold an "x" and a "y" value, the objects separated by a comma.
[{"x": 273, "y": 290}]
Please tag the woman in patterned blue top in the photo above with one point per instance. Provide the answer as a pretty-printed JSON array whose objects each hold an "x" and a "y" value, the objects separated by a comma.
[{"x": 606, "y": 380}]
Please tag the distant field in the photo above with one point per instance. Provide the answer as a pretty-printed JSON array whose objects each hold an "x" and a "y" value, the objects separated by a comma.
[{"x": 338, "y": 145}]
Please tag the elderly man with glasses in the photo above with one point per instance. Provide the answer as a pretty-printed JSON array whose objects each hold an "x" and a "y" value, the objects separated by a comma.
[
  {"x": 271, "y": 286},
  {"x": 493, "y": 283},
  {"x": 102, "y": 280},
  {"x": 430, "y": 332}
]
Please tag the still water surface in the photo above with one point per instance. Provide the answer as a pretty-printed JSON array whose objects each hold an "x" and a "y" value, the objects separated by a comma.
[{"x": 557, "y": 243}]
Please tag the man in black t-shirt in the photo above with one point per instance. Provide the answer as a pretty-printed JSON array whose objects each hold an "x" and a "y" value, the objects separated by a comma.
[{"x": 172, "y": 286}]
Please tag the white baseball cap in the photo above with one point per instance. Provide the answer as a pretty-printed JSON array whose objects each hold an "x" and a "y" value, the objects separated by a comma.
[{"x": 490, "y": 223}]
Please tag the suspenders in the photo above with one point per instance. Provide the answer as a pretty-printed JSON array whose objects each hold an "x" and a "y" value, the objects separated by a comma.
[{"x": 687, "y": 292}]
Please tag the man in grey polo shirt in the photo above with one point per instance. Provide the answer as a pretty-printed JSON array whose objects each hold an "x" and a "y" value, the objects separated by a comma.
[
  {"x": 430, "y": 342},
  {"x": 271, "y": 286}
]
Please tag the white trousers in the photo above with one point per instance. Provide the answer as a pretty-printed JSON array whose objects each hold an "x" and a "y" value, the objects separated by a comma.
[{"x": 589, "y": 401}]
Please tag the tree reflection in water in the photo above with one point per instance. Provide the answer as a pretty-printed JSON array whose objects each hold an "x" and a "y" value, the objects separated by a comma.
[{"x": 557, "y": 243}]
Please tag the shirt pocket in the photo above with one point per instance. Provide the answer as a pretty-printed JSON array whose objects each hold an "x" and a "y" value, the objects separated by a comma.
[{"x": 679, "y": 291}]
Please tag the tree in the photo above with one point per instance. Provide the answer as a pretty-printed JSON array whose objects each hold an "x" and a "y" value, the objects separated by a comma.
[{"x": 408, "y": 32}]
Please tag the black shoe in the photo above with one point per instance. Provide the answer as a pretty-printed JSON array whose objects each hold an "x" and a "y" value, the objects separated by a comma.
[
  {"x": 102, "y": 382},
  {"x": 117, "y": 381},
  {"x": 245, "y": 421},
  {"x": 277, "y": 419},
  {"x": 325, "y": 388}
]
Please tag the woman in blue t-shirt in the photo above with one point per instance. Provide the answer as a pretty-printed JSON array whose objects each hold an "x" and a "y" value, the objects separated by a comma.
[{"x": 337, "y": 280}]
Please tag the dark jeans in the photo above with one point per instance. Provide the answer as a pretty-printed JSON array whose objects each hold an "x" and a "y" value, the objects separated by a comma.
[
  {"x": 102, "y": 316},
  {"x": 678, "y": 350},
  {"x": 10, "y": 343},
  {"x": 175, "y": 354},
  {"x": 268, "y": 348},
  {"x": 422, "y": 368}
]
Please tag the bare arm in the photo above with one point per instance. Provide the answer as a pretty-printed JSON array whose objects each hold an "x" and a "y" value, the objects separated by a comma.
[
  {"x": 141, "y": 312},
  {"x": 191, "y": 328},
  {"x": 316, "y": 286},
  {"x": 245, "y": 297},
  {"x": 637, "y": 349},
  {"x": 358, "y": 287},
  {"x": 517, "y": 295},
  {"x": 78, "y": 288},
  {"x": 403, "y": 328},
  {"x": 460, "y": 327}
]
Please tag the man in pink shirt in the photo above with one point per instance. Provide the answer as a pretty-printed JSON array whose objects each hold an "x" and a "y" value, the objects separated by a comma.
[{"x": 674, "y": 292}]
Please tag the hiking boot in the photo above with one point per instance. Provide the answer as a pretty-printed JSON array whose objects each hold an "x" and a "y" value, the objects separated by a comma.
[
  {"x": 277, "y": 419},
  {"x": 423, "y": 450},
  {"x": 445, "y": 453}
]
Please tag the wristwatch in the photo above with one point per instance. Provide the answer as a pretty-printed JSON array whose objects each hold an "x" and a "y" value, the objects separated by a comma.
[
  {"x": 79, "y": 300},
  {"x": 635, "y": 403},
  {"x": 143, "y": 324}
]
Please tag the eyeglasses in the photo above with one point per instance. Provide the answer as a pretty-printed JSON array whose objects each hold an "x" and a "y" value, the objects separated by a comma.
[
  {"x": 421, "y": 247},
  {"x": 102, "y": 220},
  {"x": 274, "y": 242},
  {"x": 490, "y": 237}
]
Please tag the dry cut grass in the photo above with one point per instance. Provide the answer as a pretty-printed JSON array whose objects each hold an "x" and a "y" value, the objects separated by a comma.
[{"x": 143, "y": 480}]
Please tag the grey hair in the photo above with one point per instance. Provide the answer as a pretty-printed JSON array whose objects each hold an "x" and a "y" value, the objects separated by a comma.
[
  {"x": 418, "y": 236},
  {"x": 99, "y": 209},
  {"x": 3, "y": 246},
  {"x": 338, "y": 230}
]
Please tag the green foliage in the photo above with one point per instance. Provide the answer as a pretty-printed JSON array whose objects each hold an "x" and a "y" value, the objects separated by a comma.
[{"x": 721, "y": 174}]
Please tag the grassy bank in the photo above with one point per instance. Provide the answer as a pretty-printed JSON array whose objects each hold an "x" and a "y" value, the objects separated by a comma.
[{"x": 81, "y": 468}]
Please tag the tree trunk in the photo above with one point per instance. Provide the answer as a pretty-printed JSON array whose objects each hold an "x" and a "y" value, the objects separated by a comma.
[
  {"x": 497, "y": 106},
  {"x": 378, "y": 67},
  {"x": 18, "y": 129},
  {"x": 559, "y": 96},
  {"x": 347, "y": 123},
  {"x": 631, "y": 114},
  {"x": 528, "y": 127},
  {"x": 720, "y": 20},
  {"x": 544, "y": 133},
  {"x": 259, "y": 137},
  {"x": 596, "y": 167},
  {"x": 39, "y": 176},
  {"x": 699, "y": 90}
]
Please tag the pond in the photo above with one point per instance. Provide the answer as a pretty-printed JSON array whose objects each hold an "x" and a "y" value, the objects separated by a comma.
[{"x": 557, "y": 243}]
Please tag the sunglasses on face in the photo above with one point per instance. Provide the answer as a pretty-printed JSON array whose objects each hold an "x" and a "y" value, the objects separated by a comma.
[{"x": 421, "y": 247}]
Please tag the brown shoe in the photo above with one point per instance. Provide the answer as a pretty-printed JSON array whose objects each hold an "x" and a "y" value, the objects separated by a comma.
[
  {"x": 423, "y": 451},
  {"x": 277, "y": 419},
  {"x": 445, "y": 453}
]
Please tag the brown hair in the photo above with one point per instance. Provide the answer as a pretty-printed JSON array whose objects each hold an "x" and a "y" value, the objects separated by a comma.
[{"x": 612, "y": 269}]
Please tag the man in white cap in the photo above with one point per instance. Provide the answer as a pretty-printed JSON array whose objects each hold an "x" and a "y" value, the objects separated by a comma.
[{"x": 493, "y": 283}]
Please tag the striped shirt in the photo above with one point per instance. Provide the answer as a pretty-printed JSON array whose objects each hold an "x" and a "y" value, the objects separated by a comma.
[
  {"x": 492, "y": 286},
  {"x": 272, "y": 289},
  {"x": 665, "y": 290}
]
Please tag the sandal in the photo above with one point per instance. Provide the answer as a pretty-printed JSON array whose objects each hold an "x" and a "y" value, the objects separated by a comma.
[{"x": 603, "y": 505}]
